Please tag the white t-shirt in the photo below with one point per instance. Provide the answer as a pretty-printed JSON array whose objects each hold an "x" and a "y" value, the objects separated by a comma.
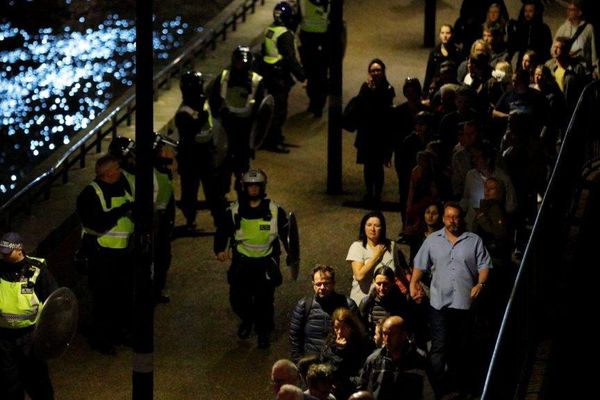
[{"x": 358, "y": 253}]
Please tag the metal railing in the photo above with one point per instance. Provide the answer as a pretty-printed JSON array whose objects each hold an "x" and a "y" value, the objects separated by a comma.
[
  {"x": 122, "y": 111},
  {"x": 530, "y": 317}
]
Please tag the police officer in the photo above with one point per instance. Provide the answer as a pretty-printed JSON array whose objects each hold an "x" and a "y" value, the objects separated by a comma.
[
  {"x": 196, "y": 150},
  {"x": 104, "y": 208},
  {"x": 235, "y": 96},
  {"x": 313, "y": 51},
  {"x": 164, "y": 206},
  {"x": 254, "y": 224},
  {"x": 279, "y": 63},
  {"x": 25, "y": 283}
]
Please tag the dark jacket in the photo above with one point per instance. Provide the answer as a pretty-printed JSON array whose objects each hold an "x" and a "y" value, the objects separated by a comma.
[
  {"x": 374, "y": 309},
  {"x": 389, "y": 380},
  {"x": 309, "y": 328}
]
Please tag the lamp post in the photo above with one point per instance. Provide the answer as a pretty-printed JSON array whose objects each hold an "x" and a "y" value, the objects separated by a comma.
[{"x": 143, "y": 307}]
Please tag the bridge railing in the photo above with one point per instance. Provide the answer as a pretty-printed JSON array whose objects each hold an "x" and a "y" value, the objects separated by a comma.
[{"x": 120, "y": 112}]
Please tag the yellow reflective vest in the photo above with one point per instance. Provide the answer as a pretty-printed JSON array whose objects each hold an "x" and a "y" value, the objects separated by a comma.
[
  {"x": 19, "y": 305},
  {"x": 118, "y": 236},
  {"x": 272, "y": 33},
  {"x": 254, "y": 237},
  {"x": 238, "y": 100},
  {"x": 314, "y": 18}
]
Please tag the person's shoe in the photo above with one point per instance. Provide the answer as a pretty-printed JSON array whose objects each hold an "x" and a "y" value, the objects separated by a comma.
[
  {"x": 263, "y": 342},
  {"x": 244, "y": 331}
]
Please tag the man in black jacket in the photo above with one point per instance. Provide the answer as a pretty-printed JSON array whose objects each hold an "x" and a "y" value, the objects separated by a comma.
[{"x": 311, "y": 319}]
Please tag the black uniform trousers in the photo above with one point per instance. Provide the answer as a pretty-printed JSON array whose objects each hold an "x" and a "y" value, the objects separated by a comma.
[
  {"x": 162, "y": 246},
  {"x": 20, "y": 370},
  {"x": 195, "y": 167},
  {"x": 314, "y": 58},
  {"x": 111, "y": 284},
  {"x": 252, "y": 290},
  {"x": 238, "y": 160},
  {"x": 278, "y": 86}
]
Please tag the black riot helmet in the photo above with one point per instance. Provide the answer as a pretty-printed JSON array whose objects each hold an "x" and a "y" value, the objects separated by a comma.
[
  {"x": 122, "y": 147},
  {"x": 283, "y": 13},
  {"x": 192, "y": 86},
  {"x": 241, "y": 58}
]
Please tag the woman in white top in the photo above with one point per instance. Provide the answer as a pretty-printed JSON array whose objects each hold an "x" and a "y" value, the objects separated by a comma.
[{"x": 371, "y": 250}]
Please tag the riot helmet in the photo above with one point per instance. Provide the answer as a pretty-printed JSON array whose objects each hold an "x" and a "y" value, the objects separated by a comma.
[
  {"x": 283, "y": 13},
  {"x": 192, "y": 86},
  {"x": 254, "y": 177},
  {"x": 241, "y": 58},
  {"x": 122, "y": 147}
]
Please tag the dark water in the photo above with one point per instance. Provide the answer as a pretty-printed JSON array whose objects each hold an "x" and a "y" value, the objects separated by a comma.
[{"x": 55, "y": 80}]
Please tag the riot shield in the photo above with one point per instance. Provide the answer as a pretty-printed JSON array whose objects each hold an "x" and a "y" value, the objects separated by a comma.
[
  {"x": 262, "y": 122},
  {"x": 56, "y": 324},
  {"x": 293, "y": 246}
]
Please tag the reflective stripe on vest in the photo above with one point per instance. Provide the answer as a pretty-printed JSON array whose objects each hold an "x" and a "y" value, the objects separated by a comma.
[
  {"x": 131, "y": 180},
  {"x": 19, "y": 305},
  {"x": 206, "y": 132},
  {"x": 254, "y": 237},
  {"x": 237, "y": 98},
  {"x": 165, "y": 190},
  {"x": 314, "y": 18},
  {"x": 118, "y": 236},
  {"x": 272, "y": 33}
]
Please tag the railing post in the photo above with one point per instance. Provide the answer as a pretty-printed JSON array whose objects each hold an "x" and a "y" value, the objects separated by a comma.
[
  {"x": 234, "y": 22},
  {"x": 99, "y": 141},
  {"x": 82, "y": 157},
  {"x": 129, "y": 112}
]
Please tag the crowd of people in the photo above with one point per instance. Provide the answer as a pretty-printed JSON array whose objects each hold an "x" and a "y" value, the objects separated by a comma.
[{"x": 472, "y": 147}]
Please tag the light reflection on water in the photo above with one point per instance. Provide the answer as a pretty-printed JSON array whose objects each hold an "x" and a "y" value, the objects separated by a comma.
[{"x": 57, "y": 82}]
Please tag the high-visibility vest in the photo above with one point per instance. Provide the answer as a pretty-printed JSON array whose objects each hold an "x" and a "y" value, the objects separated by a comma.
[
  {"x": 237, "y": 98},
  {"x": 254, "y": 237},
  {"x": 164, "y": 191},
  {"x": 272, "y": 33},
  {"x": 206, "y": 132},
  {"x": 118, "y": 236},
  {"x": 19, "y": 305},
  {"x": 314, "y": 18}
]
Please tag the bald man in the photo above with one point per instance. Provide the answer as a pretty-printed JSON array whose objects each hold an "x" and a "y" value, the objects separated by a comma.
[
  {"x": 389, "y": 373},
  {"x": 361, "y": 395},
  {"x": 285, "y": 373}
]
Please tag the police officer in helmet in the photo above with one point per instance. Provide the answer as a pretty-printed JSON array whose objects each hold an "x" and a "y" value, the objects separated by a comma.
[
  {"x": 313, "y": 50},
  {"x": 25, "y": 283},
  {"x": 235, "y": 96},
  {"x": 253, "y": 227},
  {"x": 279, "y": 63},
  {"x": 196, "y": 149}
]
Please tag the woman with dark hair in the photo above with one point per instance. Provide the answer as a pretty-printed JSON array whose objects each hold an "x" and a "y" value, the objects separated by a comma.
[
  {"x": 345, "y": 351},
  {"x": 384, "y": 300},
  {"x": 374, "y": 139},
  {"x": 371, "y": 250}
]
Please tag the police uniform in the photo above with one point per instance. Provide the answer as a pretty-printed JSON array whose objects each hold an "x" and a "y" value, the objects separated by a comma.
[
  {"x": 104, "y": 211},
  {"x": 24, "y": 286},
  {"x": 254, "y": 272},
  {"x": 313, "y": 51},
  {"x": 164, "y": 206},
  {"x": 237, "y": 97},
  {"x": 196, "y": 160},
  {"x": 278, "y": 66}
]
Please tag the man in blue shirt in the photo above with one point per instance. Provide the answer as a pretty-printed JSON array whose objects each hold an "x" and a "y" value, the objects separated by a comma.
[{"x": 460, "y": 265}]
